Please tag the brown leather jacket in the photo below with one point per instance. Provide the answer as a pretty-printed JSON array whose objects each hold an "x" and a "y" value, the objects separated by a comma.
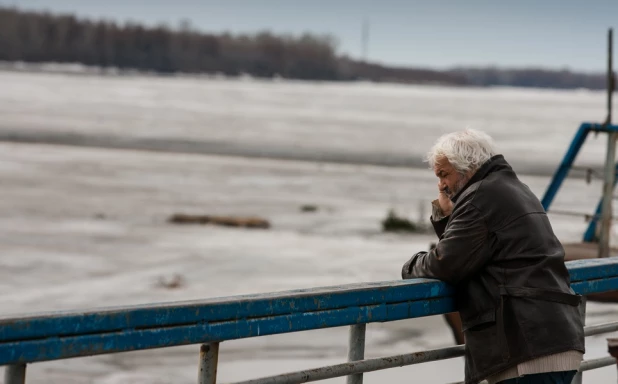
[{"x": 512, "y": 288}]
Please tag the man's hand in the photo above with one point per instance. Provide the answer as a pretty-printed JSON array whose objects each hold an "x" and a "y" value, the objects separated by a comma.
[
  {"x": 406, "y": 271},
  {"x": 446, "y": 205}
]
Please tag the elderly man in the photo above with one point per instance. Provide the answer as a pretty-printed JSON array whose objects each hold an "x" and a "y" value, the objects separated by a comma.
[{"x": 520, "y": 318}]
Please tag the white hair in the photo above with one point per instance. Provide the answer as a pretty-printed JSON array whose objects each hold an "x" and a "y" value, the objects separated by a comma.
[{"x": 466, "y": 150}]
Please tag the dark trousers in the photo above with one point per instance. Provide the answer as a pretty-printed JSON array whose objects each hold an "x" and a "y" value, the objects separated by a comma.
[{"x": 543, "y": 378}]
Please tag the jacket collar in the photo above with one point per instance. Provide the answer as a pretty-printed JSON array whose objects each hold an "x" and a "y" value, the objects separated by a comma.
[{"x": 496, "y": 163}]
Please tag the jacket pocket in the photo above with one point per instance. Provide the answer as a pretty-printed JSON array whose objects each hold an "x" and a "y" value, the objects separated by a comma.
[
  {"x": 479, "y": 320},
  {"x": 552, "y": 295}
]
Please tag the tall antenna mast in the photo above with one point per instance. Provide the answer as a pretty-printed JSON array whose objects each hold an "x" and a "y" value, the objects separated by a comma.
[
  {"x": 365, "y": 39},
  {"x": 610, "y": 75},
  {"x": 610, "y": 160}
]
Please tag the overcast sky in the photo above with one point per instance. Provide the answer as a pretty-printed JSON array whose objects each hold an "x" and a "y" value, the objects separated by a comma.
[{"x": 431, "y": 33}]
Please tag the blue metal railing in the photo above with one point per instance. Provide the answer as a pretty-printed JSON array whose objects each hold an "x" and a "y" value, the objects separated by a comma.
[
  {"x": 566, "y": 165},
  {"x": 53, "y": 336}
]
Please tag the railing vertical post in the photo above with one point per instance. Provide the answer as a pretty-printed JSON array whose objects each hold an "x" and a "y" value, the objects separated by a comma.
[
  {"x": 356, "y": 350},
  {"x": 209, "y": 358},
  {"x": 582, "y": 311},
  {"x": 15, "y": 374},
  {"x": 612, "y": 348}
]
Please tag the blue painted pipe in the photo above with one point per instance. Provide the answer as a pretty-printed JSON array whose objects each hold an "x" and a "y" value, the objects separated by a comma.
[
  {"x": 565, "y": 166},
  {"x": 590, "y": 234}
]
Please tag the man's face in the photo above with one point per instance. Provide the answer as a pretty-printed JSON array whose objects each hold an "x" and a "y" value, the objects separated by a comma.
[{"x": 450, "y": 181}]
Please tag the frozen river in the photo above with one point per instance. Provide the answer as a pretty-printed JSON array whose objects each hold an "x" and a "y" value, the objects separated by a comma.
[{"x": 86, "y": 227}]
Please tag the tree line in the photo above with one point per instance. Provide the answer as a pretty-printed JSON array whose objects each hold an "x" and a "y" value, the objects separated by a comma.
[
  {"x": 42, "y": 37},
  {"x": 532, "y": 77},
  {"x": 39, "y": 37}
]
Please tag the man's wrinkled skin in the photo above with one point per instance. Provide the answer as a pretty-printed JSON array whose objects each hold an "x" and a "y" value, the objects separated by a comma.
[{"x": 450, "y": 182}]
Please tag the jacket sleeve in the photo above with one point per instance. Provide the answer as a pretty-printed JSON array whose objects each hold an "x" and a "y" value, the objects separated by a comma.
[
  {"x": 462, "y": 250},
  {"x": 438, "y": 220},
  {"x": 439, "y": 226}
]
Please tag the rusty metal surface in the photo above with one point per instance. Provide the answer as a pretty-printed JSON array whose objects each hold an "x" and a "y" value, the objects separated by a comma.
[
  {"x": 15, "y": 374},
  {"x": 356, "y": 351},
  {"x": 52, "y": 348},
  {"x": 612, "y": 348},
  {"x": 209, "y": 360},
  {"x": 219, "y": 309}
]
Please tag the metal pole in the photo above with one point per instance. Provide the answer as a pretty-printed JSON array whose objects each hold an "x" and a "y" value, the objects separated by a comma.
[
  {"x": 608, "y": 184},
  {"x": 209, "y": 357},
  {"x": 356, "y": 350},
  {"x": 612, "y": 348},
  {"x": 367, "y": 365},
  {"x": 582, "y": 312},
  {"x": 608, "y": 190},
  {"x": 15, "y": 374},
  {"x": 365, "y": 39},
  {"x": 610, "y": 74}
]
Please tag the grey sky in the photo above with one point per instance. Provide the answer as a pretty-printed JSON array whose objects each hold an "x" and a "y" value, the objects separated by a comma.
[{"x": 439, "y": 34}]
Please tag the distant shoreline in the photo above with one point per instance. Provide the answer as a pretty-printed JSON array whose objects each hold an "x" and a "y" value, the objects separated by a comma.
[
  {"x": 232, "y": 149},
  {"x": 77, "y": 69}
]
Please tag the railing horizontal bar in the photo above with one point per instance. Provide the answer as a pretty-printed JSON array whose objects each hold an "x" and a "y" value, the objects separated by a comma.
[
  {"x": 600, "y": 127},
  {"x": 62, "y": 324},
  {"x": 588, "y": 287},
  {"x": 88, "y": 333},
  {"x": 585, "y": 215},
  {"x": 362, "y": 366},
  {"x": 585, "y": 276},
  {"x": 592, "y": 269},
  {"x": 96, "y": 344},
  {"x": 598, "y": 329},
  {"x": 31, "y": 351},
  {"x": 587, "y": 365},
  {"x": 597, "y": 363}
]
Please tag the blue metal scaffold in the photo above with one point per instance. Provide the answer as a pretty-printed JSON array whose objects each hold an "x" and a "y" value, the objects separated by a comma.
[{"x": 603, "y": 213}]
